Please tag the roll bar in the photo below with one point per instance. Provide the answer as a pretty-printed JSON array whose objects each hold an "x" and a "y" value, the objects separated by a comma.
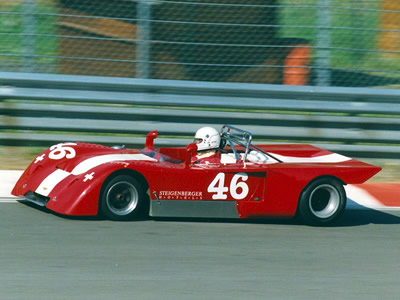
[{"x": 242, "y": 138}]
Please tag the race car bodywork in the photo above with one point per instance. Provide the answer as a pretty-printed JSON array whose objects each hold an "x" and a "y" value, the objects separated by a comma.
[{"x": 251, "y": 181}]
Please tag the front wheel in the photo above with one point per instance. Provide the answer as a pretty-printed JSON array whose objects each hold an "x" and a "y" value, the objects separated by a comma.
[
  {"x": 122, "y": 198},
  {"x": 322, "y": 202}
]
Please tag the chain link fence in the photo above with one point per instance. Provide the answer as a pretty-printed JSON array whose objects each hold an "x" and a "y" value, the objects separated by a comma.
[{"x": 302, "y": 42}]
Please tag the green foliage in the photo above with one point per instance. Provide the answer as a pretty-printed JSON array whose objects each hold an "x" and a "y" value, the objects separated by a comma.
[
  {"x": 14, "y": 33},
  {"x": 354, "y": 32}
]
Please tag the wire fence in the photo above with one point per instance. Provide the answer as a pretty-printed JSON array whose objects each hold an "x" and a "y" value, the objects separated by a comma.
[{"x": 301, "y": 42}]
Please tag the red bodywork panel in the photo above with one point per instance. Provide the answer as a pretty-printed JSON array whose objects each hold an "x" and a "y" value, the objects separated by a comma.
[{"x": 70, "y": 176}]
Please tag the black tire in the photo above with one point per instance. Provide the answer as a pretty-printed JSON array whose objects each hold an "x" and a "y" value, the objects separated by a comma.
[
  {"x": 122, "y": 198},
  {"x": 322, "y": 202}
]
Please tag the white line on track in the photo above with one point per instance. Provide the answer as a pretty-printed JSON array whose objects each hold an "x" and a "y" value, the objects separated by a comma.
[
  {"x": 7, "y": 181},
  {"x": 10, "y": 200}
]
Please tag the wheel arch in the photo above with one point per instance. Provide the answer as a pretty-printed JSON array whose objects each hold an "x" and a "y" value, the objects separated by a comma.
[
  {"x": 331, "y": 177},
  {"x": 129, "y": 172}
]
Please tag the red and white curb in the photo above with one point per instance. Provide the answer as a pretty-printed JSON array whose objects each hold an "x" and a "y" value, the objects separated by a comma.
[{"x": 377, "y": 196}]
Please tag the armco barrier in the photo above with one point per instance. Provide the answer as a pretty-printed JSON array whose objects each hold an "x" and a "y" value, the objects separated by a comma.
[{"x": 40, "y": 109}]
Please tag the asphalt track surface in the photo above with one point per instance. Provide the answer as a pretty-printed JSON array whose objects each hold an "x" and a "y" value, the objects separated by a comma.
[{"x": 47, "y": 256}]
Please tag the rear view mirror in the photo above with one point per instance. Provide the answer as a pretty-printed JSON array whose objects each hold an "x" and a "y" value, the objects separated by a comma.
[
  {"x": 190, "y": 149},
  {"x": 151, "y": 136}
]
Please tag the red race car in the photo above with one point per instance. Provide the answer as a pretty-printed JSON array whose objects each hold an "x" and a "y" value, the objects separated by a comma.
[{"x": 248, "y": 181}]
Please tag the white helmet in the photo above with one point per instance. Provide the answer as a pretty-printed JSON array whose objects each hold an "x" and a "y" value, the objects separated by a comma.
[{"x": 207, "y": 138}]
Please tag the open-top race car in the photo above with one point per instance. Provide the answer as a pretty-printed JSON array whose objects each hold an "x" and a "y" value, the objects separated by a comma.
[{"x": 250, "y": 181}]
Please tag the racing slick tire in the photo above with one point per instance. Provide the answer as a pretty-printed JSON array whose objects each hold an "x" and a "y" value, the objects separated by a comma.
[
  {"x": 122, "y": 198},
  {"x": 322, "y": 202}
]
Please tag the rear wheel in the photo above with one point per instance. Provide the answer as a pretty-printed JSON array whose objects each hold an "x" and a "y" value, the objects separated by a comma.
[
  {"x": 122, "y": 198},
  {"x": 322, "y": 202}
]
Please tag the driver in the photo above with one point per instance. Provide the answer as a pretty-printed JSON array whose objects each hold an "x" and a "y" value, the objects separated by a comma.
[{"x": 208, "y": 143}]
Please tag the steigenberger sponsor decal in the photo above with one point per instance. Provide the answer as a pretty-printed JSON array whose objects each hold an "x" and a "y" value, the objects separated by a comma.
[{"x": 180, "y": 195}]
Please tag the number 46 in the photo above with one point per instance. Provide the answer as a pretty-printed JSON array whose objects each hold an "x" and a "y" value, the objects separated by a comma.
[{"x": 218, "y": 187}]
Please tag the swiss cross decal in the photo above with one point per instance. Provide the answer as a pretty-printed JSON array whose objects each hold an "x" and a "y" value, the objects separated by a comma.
[
  {"x": 88, "y": 177},
  {"x": 40, "y": 158}
]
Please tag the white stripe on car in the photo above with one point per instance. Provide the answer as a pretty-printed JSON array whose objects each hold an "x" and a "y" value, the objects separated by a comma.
[{"x": 50, "y": 182}]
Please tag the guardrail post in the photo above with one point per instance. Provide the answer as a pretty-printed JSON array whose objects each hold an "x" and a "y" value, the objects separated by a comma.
[
  {"x": 143, "y": 39},
  {"x": 29, "y": 25},
  {"x": 323, "y": 44}
]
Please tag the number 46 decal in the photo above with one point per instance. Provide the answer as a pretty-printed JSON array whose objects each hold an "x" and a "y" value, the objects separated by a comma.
[{"x": 238, "y": 189}]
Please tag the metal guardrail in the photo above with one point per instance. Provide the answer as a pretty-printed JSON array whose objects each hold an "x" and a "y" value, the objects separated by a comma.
[{"x": 40, "y": 109}]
